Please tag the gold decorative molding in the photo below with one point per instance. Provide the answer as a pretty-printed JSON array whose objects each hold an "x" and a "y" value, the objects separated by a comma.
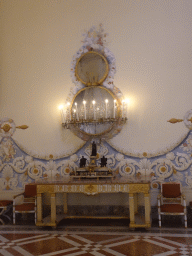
[
  {"x": 90, "y": 189},
  {"x": 43, "y": 188},
  {"x": 6, "y": 127},
  {"x": 139, "y": 188},
  {"x": 24, "y": 126},
  {"x": 175, "y": 120}
]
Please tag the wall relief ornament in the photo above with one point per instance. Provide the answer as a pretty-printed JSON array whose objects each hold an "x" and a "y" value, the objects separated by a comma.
[
  {"x": 18, "y": 168},
  {"x": 94, "y": 108},
  {"x": 8, "y": 127}
]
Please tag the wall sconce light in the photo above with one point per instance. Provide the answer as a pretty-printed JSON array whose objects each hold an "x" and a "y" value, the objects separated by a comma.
[{"x": 94, "y": 110}]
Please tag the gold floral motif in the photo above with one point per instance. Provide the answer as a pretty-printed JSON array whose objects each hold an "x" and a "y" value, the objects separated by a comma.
[
  {"x": 112, "y": 188},
  {"x": 155, "y": 185},
  {"x": 163, "y": 169},
  {"x": 35, "y": 170},
  {"x": 145, "y": 154},
  {"x": 6, "y": 127},
  {"x": 91, "y": 189},
  {"x": 174, "y": 171},
  {"x": 67, "y": 170},
  {"x": 127, "y": 169}
]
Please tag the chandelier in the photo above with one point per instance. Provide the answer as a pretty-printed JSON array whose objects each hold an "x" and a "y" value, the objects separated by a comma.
[{"x": 94, "y": 109}]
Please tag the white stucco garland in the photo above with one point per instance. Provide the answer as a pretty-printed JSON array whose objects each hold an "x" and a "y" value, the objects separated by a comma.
[
  {"x": 46, "y": 156},
  {"x": 158, "y": 152}
]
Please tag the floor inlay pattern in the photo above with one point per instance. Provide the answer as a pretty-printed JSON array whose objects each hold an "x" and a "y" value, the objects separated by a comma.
[{"x": 64, "y": 243}]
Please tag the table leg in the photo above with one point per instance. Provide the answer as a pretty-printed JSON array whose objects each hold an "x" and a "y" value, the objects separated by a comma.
[
  {"x": 131, "y": 209},
  {"x": 39, "y": 208},
  {"x": 65, "y": 209},
  {"x": 53, "y": 209},
  {"x": 147, "y": 210},
  {"x": 135, "y": 195}
]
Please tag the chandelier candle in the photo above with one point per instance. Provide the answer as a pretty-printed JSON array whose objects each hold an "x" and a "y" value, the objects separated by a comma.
[
  {"x": 114, "y": 109},
  {"x": 84, "y": 103},
  {"x": 94, "y": 113},
  {"x": 77, "y": 116},
  {"x": 106, "y": 102}
]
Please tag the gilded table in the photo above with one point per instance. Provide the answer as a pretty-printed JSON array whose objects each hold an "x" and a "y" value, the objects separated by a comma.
[{"x": 132, "y": 189}]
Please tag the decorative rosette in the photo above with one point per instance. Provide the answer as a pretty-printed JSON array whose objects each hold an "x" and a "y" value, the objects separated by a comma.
[
  {"x": 127, "y": 170},
  {"x": 7, "y": 127},
  {"x": 164, "y": 170}
]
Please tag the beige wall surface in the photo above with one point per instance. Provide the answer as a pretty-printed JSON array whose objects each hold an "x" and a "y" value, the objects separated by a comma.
[{"x": 151, "y": 41}]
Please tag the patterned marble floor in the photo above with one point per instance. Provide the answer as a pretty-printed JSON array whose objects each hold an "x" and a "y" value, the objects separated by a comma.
[{"x": 30, "y": 241}]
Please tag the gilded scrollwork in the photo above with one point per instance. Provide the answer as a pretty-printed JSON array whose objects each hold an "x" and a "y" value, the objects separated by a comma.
[{"x": 91, "y": 189}]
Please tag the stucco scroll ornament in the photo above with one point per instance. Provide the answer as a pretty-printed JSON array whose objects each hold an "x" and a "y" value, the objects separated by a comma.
[
  {"x": 9, "y": 179},
  {"x": 126, "y": 167},
  {"x": 187, "y": 145},
  {"x": 136, "y": 171},
  {"x": 183, "y": 161},
  {"x": 188, "y": 178},
  {"x": 179, "y": 162},
  {"x": 7, "y": 150},
  {"x": 145, "y": 170},
  {"x": 188, "y": 119},
  {"x": 163, "y": 168},
  {"x": 67, "y": 167}
]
